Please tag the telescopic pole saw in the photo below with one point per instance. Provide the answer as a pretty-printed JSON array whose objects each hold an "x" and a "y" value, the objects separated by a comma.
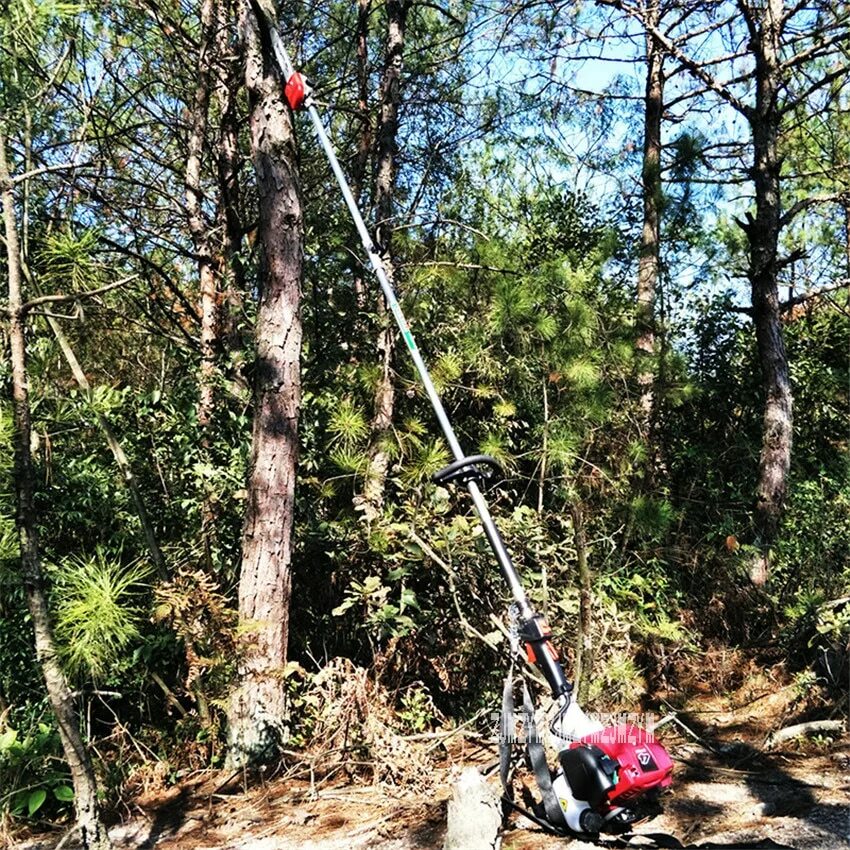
[
  {"x": 606, "y": 774},
  {"x": 471, "y": 470}
]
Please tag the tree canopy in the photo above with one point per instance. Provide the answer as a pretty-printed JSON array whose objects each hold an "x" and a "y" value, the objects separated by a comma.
[{"x": 621, "y": 235}]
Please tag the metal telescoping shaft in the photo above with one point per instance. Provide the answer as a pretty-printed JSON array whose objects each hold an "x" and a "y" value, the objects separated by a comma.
[{"x": 490, "y": 529}]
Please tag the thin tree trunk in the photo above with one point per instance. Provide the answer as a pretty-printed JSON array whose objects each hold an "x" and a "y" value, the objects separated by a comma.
[
  {"x": 115, "y": 447},
  {"x": 92, "y": 832},
  {"x": 257, "y": 714},
  {"x": 364, "y": 141},
  {"x": 541, "y": 486},
  {"x": 207, "y": 266},
  {"x": 371, "y": 501},
  {"x": 232, "y": 288},
  {"x": 584, "y": 638},
  {"x": 763, "y": 234},
  {"x": 226, "y": 69},
  {"x": 544, "y": 450},
  {"x": 649, "y": 260}
]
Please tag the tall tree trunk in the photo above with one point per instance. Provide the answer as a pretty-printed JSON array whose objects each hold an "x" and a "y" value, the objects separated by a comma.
[
  {"x": 257, "y": 714},
  {"x": 763, "y": 234},
  {"x": 650, "y": 242},
  {"x": 371, "y": 500},
  {"x": 91, "y": 829},
  {"x": 201, "y": 237}
]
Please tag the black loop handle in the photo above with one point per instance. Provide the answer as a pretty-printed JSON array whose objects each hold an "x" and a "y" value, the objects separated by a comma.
[{"x": 478, "y": 468}]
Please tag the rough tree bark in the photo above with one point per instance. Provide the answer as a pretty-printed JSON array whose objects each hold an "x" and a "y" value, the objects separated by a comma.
[
  {"x": 650, "y": 241},
  {"x": 257, "y": 713},
  {"x": 91, "y": 830},
  {"x": 765, "y": 23},
  {"x": 227, "y": 70},
  {"x": 371, "y": 500}
]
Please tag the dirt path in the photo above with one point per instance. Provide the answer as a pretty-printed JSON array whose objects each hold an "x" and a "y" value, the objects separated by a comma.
[
  {"x": 727, "y": 792},
  {"x": 800, "y": 802}
]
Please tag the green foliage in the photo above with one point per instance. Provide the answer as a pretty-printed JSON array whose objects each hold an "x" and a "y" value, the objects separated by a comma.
[
  {"x": 68, "y": 262},
  {"x": 520, "y": 292},
  {"x": 416, "y": 710},
  {"x": 347, "y": 425},
  {"x": 98, "y": 611},
  {"x": 652, "y": 517},
  {"x": 379, "y": 613},
  {"x": 31, "y": 783}
]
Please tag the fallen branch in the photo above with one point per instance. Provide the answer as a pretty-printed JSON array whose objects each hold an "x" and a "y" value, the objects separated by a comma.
[{"x": 789, "y": 733}]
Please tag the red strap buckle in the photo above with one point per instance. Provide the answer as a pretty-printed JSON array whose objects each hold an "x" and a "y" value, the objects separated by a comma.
[{"x": 295, "y": 91}]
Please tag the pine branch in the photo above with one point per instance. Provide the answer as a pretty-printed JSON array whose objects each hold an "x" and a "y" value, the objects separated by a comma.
[
  {"x": 45, "y": 169},
  {"x": 690, "y": 64},
  {"x": 815, "y": 50},
  {"x": 785, "y": 306},
  {"x": 805, "y": 203},
  {"x": 75, "y": 296},
  {"x": 818, "y": 84}
]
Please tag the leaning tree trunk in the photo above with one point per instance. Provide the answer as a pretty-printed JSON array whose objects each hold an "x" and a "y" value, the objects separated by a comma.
[
  {"x": 257, "y": 713},
  {"x": 118, "y": 453},
  {"x": 763, "y": 234},
  {"x": 650, "y": 241},
  {"x": 91, "y": 830},
  {"x": 371, "y": 500}
]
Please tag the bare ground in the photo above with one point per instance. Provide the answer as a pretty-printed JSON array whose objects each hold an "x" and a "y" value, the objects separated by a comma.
[{"x": 727, "y": 792}]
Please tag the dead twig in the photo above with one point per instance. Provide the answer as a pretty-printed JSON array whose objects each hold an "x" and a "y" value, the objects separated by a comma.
[{"x": 673, "y": 718}]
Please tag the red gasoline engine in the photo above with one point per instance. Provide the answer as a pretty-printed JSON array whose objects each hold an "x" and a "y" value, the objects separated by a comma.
[{"x": 604, "y": 774}]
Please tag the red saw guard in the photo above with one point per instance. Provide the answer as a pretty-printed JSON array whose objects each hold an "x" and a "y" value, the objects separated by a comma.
[{"x": 644, "y": 764}]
